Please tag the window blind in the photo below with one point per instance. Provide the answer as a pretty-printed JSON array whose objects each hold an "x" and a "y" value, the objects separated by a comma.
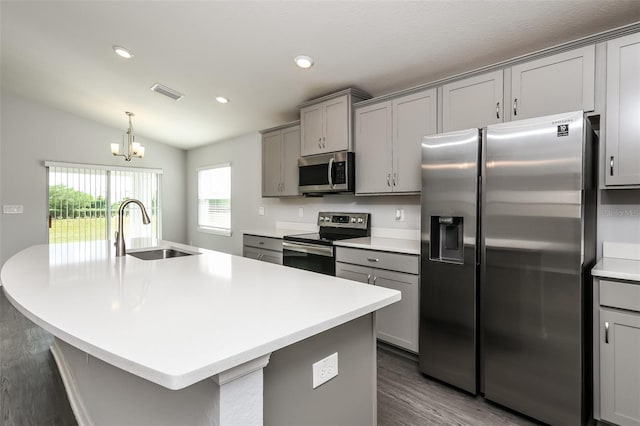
[{"x": 214, "y": 199}]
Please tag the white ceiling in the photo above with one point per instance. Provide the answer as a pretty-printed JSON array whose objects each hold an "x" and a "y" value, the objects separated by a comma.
[{"x": 60, "y": 53}]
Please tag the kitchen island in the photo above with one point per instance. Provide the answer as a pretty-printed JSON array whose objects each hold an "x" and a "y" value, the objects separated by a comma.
[{"x": 207, "y": 338}]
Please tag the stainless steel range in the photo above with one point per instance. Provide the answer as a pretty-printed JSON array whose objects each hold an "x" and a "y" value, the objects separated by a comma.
[{"x": 316, "y": 252}]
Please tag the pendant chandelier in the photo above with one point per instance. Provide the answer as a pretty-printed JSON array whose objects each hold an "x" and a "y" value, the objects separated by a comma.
[{"x": 130, "y": 147}]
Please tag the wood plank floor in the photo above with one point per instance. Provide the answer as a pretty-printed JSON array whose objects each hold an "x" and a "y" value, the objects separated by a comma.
[{"x": 32, "y": 392}]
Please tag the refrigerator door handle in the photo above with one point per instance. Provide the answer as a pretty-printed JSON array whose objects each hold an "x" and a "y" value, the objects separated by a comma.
[{"x": 606, "y": 332}]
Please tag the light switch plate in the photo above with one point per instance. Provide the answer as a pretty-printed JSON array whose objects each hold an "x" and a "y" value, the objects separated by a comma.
[
  {"x": 325, "y": 369},
  {"x": 300, "y": 211},
  {"x": 13, "y": 209},
  {"x": 261, "y": 211},
  {"x": 399, "y": 215}
]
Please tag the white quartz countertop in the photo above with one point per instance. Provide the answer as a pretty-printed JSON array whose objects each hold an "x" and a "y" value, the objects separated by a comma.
[
  {"x": 398, "y": 245},
  {"x": 178, "y": 321},
  {"x": 614, "y": 268}
]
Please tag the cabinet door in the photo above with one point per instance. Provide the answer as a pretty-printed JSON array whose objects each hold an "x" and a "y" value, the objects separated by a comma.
[
  {"x": 361, "y": 274},
  {"x": 414, "y": 116},
  {"x": 373, "y": 148},
  {"x": 290, "y": 155},
  {"x": 622, "y": 163},
  {"x": 473, "y": 102},
  {"x": 398, "y": 323},
  {"x": 271, "y": 164},
  {"x": 555, "y": 84},
  {"x": 336, "y": 124},
  {"x": 311, "y": 125},
  {"x": 620, "y": 367}
]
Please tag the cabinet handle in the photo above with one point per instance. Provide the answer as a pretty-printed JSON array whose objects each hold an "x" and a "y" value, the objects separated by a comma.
[
  {"x": 515, "y": 106},
  {"x": 323, "y": 142},
  {"x": 374, "y": 280},
  {"x": 389, "y": 179},
  {"x": 497, "y": 109},
  {"x": 372, "y": 259},
  {"x": 611, "y": 166},
  {"x": 369, "y": 279},
  {"x": 394, "y": 179},
  {"x": 606, "y": 332}
]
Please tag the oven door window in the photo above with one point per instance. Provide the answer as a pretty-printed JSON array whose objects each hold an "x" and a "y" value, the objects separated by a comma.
[{"x": 310, "y": 262}]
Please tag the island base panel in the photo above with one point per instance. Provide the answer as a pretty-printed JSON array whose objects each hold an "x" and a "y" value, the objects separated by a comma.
[{"x": 347, "y": 399}]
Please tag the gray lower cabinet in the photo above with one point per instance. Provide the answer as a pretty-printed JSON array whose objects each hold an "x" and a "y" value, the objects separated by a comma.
[
  {"x": 267, "y": 249},
  {"x": 618, "y": 352},
  {"x": 622, "y": 125},
  {"x": 396, "y": 324}
]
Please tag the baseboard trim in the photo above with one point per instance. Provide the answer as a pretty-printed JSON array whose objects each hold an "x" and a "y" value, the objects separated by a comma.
[{"x": 75, "y": 400}]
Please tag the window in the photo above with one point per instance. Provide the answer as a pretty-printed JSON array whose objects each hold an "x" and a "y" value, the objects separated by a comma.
[
  {"x": 84, "y": 201},
  {"x": 214, "y": 199}
]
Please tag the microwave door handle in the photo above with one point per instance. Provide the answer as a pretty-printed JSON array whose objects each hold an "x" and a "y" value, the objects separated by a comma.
[{"x": 330, "y": 172}]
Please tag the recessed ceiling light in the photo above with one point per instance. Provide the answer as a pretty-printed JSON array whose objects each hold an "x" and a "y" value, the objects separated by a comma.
[
  {"x": 303, "y": 61},
  {"x": 222, "y": 99},
  {"x": 123, "y": 52}
]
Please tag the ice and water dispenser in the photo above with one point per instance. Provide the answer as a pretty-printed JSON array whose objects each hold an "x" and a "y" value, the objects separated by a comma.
[{"x": 447, "y": 243}]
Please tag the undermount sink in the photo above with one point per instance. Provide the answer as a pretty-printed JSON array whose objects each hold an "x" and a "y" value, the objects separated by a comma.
[{"x": 163, "y": 253}]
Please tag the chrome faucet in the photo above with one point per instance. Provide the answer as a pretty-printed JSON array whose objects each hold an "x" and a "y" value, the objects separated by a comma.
[{"x": 120, "y": 248}]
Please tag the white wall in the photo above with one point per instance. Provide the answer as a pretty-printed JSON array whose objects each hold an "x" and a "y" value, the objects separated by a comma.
[
  {"x": 32, "y": 133},
  {"x": 244, "y": 154}
]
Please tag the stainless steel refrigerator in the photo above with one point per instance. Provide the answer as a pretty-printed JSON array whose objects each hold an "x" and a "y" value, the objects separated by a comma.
[{"x": 508, "y": 239}]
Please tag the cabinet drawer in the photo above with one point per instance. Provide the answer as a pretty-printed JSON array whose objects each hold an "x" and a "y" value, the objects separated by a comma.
[
  {"x": 267, "y": 243},
  {"x": 379, "y": 259},
  {"x": 620, "y": 295},
  {"x": 270, "y": 256}
]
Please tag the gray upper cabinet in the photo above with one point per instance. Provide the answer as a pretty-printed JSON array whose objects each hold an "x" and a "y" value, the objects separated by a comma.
[
  {"x": 388, "y": 135},
  {"x": 554, "y": 84},
  {"x": 622, "y": 131},
  {"x": 620, "y": 367},
  {"x": 280, "y": 152},
  {"x": 373, "y": 148},
  {"x": 473, "y": 102},
  {"x": 326, "y": 122}
]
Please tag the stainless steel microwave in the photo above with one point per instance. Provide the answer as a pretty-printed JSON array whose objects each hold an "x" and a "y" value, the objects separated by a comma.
[{"x": 326, "y": 173}]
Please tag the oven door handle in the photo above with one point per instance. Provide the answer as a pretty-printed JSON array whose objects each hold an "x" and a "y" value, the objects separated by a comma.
[{"x": 308, "y": 248}]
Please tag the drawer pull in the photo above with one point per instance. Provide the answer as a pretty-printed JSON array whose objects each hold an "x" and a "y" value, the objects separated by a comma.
[
  {"x": 369, "y": 279},
  {"x": 261, "y": 242},
  {"x": 372, "y": 259},
  {"x": 374, "y": 280},
  {"x": 606, "y": 332}
]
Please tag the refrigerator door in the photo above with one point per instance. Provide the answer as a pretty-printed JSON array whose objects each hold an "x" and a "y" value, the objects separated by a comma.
[
  {"x": 532, "y": 291},
  {"x": 449, "y": 257}
]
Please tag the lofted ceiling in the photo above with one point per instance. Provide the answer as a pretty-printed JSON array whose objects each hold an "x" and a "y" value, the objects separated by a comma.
[{"x": 60, "y": 53}]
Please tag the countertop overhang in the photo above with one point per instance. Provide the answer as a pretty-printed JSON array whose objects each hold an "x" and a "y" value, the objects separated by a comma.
[{"x": 181, "y": 320}]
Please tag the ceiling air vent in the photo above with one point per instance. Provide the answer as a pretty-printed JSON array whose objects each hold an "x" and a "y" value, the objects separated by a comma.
[{"x": 164, "y": 90}]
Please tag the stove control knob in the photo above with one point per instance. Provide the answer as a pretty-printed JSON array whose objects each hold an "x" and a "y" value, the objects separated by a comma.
[
  {"x": 327, "y": 219},
  {"x": 353, "y": 220},
  {"x": 321, "y": 218},
  {"x": 360, "y": 220}
]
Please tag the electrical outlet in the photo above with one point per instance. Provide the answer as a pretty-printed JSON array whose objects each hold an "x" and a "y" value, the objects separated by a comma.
[
  {"x": 13, "y": 209},
  {"x": 300, "y": 211},
  {"x": 399, "y": 215},
  {"x": 261, "y": 211},
  {"x": 325, "y": 369}
]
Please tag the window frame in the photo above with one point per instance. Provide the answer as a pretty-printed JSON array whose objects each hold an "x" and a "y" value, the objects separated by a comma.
[
  {"x": 109, "y": 169},
  {"x": 225, "y": 232}
]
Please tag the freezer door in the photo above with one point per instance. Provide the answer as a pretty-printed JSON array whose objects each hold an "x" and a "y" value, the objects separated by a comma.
[
  {"x": 532, "y": 296},
  {"x": 449, "y": 257}
]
